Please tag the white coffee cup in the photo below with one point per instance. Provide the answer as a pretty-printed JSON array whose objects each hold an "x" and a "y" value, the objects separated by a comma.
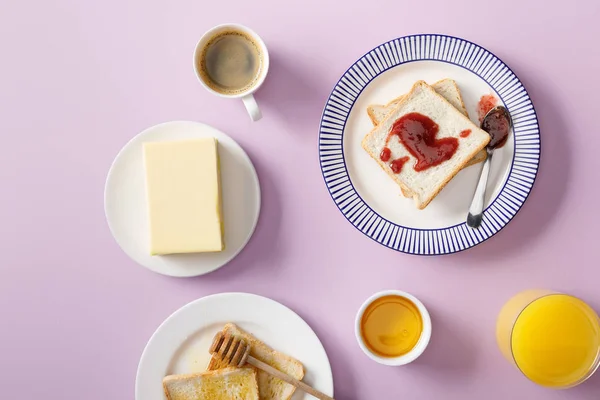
[
  {"x": 247, "y": 95},
  {"x": 416, "y": 351}
]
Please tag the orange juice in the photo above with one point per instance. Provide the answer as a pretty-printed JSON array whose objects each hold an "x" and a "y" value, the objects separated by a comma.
[
  {"x": 553, "y": 338},
  {"x": 391, "y": 326}
]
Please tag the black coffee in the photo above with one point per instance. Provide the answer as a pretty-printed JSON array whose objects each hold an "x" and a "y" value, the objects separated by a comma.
[{"x": 230, "y": 63}]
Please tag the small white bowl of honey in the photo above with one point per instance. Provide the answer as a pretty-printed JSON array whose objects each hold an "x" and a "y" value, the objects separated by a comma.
[{"x": 393, "y": 327}]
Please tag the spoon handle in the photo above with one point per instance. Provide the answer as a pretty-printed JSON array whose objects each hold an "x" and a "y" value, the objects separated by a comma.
[{"x": 476, "y": 210}]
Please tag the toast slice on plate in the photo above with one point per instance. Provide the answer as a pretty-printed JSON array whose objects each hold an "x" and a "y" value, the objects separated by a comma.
[
  {"x": 269, "y": 388},
  {"x": 448, "y": 89},
  {"x": 224, "y": 384},
  {"x": 453, "y": 141}
]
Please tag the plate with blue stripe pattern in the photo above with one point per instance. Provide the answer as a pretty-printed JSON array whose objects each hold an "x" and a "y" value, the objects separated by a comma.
[{"x": 365, "y": 194}]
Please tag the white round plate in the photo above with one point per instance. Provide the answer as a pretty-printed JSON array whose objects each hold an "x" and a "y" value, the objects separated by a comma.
[
  {"x": 127, "y": 211},
  {"x": 180, "y": 344},
  {"x": 364, "y": 193}
]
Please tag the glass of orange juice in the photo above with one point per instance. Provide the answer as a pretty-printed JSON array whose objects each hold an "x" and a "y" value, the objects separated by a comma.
[{"x": 552, "y": 338}]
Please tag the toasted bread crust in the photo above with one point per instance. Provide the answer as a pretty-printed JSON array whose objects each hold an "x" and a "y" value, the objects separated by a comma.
[
  {"x": 425, "y": 202},
  {"x": 371, "y": 114},
  {"x": 460, "y": 98},
  {"x": 167, "y": 395},
  {"x": 479, "y": 157}
]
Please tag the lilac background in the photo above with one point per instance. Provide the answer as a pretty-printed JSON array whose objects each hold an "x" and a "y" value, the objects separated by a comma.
[{"x": 80, "y": 78}]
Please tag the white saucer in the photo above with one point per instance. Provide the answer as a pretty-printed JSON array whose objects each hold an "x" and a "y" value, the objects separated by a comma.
[
  {"x": 126, "y": 207},
  {"x": 180, "y": 344}
]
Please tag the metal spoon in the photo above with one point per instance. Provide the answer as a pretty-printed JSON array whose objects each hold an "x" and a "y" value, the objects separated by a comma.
[{"x": 476, "y": 210}]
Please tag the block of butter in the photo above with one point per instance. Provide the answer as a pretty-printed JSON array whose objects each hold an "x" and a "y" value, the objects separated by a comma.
[{"x": 184, "y": 196}]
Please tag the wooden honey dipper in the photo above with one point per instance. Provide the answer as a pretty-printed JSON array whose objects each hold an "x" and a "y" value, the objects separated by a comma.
[{"x": 236, "y": 352}]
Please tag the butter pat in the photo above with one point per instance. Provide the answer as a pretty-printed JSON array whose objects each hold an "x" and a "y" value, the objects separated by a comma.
[{"x": 184, "y": 196}]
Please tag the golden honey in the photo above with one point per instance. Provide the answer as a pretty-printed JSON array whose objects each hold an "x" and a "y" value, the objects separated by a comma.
[{"x": 391, "y": 326}]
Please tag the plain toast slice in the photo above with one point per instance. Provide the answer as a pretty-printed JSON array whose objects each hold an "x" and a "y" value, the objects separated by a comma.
[
  {"x": 269, "y": 388},
  {"x": 448, "y": 89},
  {"x": 224, "y": 384},
  {"x": 424, "y": 185}
]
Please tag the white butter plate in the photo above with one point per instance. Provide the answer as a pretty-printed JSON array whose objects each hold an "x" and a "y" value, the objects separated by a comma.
[
  {"x": 126, "y": 208},
  {"x": 180, "y": 344},
  {"x": 366, "y": 195}
]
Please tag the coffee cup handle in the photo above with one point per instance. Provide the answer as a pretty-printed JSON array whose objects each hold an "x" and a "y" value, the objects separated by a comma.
[{"x": 252, "y": 107}]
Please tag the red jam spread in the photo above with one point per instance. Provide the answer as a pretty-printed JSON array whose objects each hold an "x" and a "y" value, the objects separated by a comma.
[
  {"x": 418, "y": 134},
  {"x": 465, "y": 133},
  {"x": 398, "y": 163},
  {"x": 385, "y": 155},
  {"x": 498, "y": 127},
  {"x": 486, "y": 103}
]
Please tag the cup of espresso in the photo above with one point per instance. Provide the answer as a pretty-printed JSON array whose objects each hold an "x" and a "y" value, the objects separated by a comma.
[{"x": 232, "y": 61}]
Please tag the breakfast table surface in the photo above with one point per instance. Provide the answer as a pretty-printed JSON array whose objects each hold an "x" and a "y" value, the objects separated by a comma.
[{"x": 81, "y": 78}]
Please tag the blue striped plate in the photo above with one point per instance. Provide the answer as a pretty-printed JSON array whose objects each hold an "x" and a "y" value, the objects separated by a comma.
[{"x": 370, "y": 200}]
